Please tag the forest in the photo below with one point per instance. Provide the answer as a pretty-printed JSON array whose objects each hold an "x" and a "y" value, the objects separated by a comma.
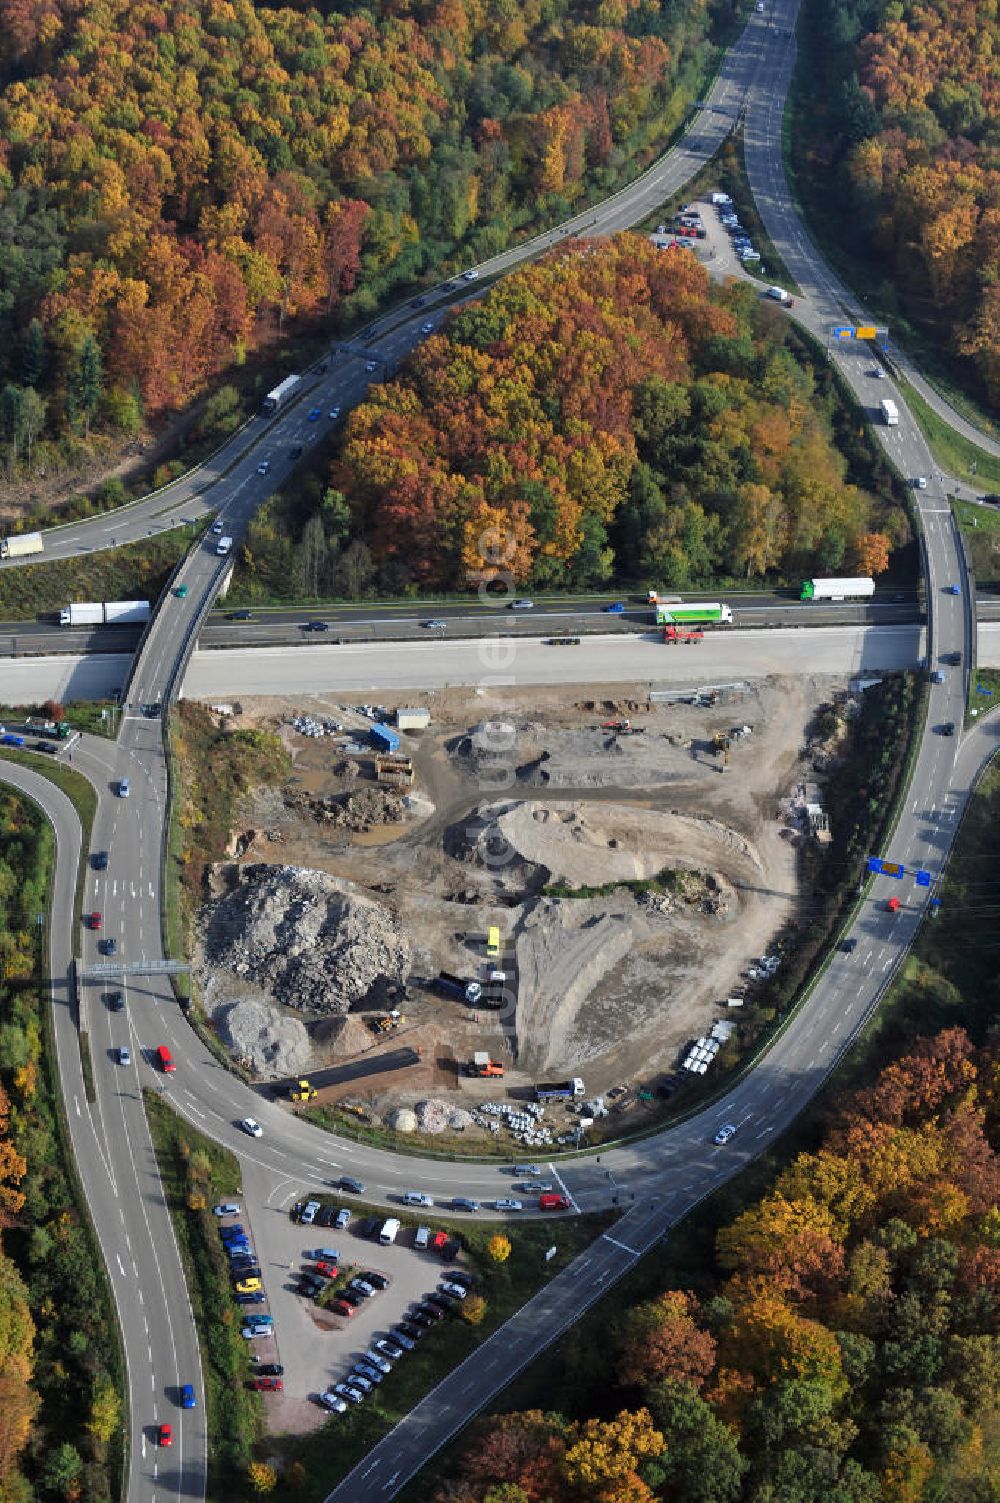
[
  {"x": 904, "y": 131},
  {"x": 844, "y": 1347},
  {"x": 184, "y": 182},
  {"x": 604, "y": 414}
]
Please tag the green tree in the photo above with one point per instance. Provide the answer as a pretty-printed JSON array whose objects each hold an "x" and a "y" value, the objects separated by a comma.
[
  {"x": 311, "y": 556},
  {"x": 336, "y": 515},
  {"x": 63, "y": 1471},
  {"x": 34, "y": 357},
  {"x": 702, "y": 1461},
  {"x": 84, "y": 384},
  {"x": 33, "y": 410}
]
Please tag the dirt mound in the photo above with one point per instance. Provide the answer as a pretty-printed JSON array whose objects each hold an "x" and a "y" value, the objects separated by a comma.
[
  {"x": 362, "y": 809},
  {"x": 262, "y": 1039},
  {"x": 309, "y": 940}
]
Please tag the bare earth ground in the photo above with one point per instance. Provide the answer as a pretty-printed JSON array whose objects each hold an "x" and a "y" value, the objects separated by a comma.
[{"x": 609, "y": 985}]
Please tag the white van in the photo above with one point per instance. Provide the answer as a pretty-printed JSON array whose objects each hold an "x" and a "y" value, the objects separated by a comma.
[
  {"x": 422, "y": 1239},
  {"x": 224, "y": 546},
  {"x": 389, "y": 1232}
]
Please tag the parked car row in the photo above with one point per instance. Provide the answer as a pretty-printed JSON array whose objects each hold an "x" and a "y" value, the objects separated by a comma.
[
  {"x": 742, "y": 244},
  {"x": 248, "y": 1285}
]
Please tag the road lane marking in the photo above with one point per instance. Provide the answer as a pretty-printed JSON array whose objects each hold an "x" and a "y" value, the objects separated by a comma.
[
  {"x": 121, "y": 1265},
  {"x": 623, "y": 1245},
  {"x": 76, "y": 1103}
]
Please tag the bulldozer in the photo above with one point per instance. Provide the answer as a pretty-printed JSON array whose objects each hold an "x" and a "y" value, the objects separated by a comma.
[{"x": 302, "y": 1091}]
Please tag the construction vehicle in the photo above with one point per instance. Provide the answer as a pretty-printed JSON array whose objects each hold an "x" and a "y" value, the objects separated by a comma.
[
  {"x": 302, "y": 1091},
  {"x": 484, "y": 1068},
  {"x": 616, "y": 725},
  {"x": 682, "y": 634},
  {"x": 386, "y": 1022},
  {"x": 560, "y": 1090},
  {"x": 720, "y": 745}
]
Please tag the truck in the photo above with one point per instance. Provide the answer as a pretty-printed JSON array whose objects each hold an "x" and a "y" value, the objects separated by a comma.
[
  {"x": 890, "y": 413},
  {"x": 223, "y": 547},
  {"x": 484, "y": 1068},
  {"x": 104, "y": 613},
  {"x": 682, "y": 634},
  {"x": 301, "y": 1090},
  {"x": 454, "y": 986},
  {"x": 837, "y": 589},
  {"x": 710, "y": 614},
  {"x": 279, "y": 396},
  {"x": 495, "y": 993},
  {"x": 657, "y": 596},
  {"x": 22, "y": 545},
  {"x": 779, "y": 295},
  {"x": 560, "y": 1090},
  {"x": 57, "y": 730}
]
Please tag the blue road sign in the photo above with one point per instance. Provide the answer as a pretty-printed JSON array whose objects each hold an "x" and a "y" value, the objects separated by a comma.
[
  {"x": 923, "y": 879},
  {"x": 874, "y": 863},
  {"x": 844, "y": 332}
]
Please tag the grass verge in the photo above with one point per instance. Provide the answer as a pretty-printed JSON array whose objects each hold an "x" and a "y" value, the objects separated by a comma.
[
  {"x": 87, "y": 1065},
  {"x": 981, "y": 529},
  {"x": 953, "y": 452},
  {"x": 132, "y": 572},
  {"x": 196, "y": 1173},
  {"x": 78, "y": 789},
  {"x": 98, "y": 717},
  {"x": 329, "y": 1453}
]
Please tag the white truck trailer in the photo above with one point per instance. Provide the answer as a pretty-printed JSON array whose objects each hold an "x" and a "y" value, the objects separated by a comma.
[
  {"x": 890, "y": 412},
  {"x": 105, "y": 613}
]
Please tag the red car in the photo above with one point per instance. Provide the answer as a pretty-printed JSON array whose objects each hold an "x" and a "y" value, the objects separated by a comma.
[
  {"x": 892, "y": 906},
  {"x": 268, "y": 1385},
  {"x": 165, "y": 1436},
  {"x": 96, "y": 920},
  {"x": 328, "y": 1270},
  {"x": 553, "y": 1203},
  {"x": 342, "y": 1308},
  {"x": 439, "y": 1241}
]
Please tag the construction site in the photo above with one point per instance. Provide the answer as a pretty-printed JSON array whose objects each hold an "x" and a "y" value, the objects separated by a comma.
[{"x": 503, "y": 887}]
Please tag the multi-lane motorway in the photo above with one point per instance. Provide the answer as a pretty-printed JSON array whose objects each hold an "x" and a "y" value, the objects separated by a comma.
[{"x": 667, "y": 1174}]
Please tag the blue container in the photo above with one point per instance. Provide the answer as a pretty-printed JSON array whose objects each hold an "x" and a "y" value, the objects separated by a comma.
[{"x": 384, "y": 738}]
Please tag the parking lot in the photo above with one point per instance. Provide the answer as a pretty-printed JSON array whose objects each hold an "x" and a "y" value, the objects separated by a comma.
[{"x": 317, "y": 1347}]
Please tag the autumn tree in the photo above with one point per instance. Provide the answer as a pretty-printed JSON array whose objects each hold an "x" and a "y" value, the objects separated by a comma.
[
  {"x": 872, "y": 553},
  {"x": 499, "y": 1247},
  {"x": 662, "y": 1341}
]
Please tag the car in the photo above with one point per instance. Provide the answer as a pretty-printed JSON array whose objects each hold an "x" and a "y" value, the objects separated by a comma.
[
  {"x": 371, "y": 366},
  {"x": 953, "y": 589},
  {"x": 418, "y": 1198},
  {"x": 95, "y": 920},
  {"x": 368, "y": 1226},
  {"x": 536, "y": 1189},
  {"x": 164, "y": 1435},
  {"x": 377, "y": 1280},
  {"x": 187, "y": 1396},
  {"x": 406, "y": 1331},
  {"x": 469, "y": 276},
  {"x": 327, "y": 1270},
  {"x": 725, "y": 1132},
  {"x": 242, "y": 1261},
  {"x": 617, "y": 609},
  {"x": 877, "y": 373},
  {"x": 937, "y": 677},
  {"x": 463, "y": 1203},
  {"x": 256, "y": 1329},
  {"x": 315, "y": 626},
  {"x": 507, "y": 1203},
  {"x": 235, "y": 1231},
  {"x": 954, "y": 658},
  {"x": 226, "y": 1208},
  {"x": 309, "y": 1212},
  {"x": 991, "y": 498},
  {"x": 849, "y": 946},
  {"x": 296, "y": 453},
  {"x": 459, "y": 1276},
  {"x": 377, "y": 1369},
  {"x": 324, "y": 1254},
  {"x": 314, "y": 414},
  {"x": 418, "y": 302},
  {"x": 250, "y": 1299},
  {"x": 362, "y": 1286},
  {"x": 99, "y": 861},
  {"x": 181, "y": 592},
  {"x": 326, "y": 1215},
  {"x": 434, "y": 624},
  {"x": 331, "y": 1401},
  {"x": 391, "y": 1349},
  {"x": 358, "y": 1380},
  {"x": 345, "y": 1391},
  {"x": 249, "y": 1286},
  {"x": 892, "y": 906},
  {"x": 342, "y": 1219},
  {"x": 307, "y": 1290},
  {"x": 342, "y": 1307},
  {"x": 948, "y": 729},
  {"x": 521, "y": 605},
  {"x": 442, "y": 1301},
  {"x": 427, "y": 328},
  {"x": 527, "y": 1169},
  {"x": 252, "y": 1128},
  {"x": 239, "y": 616},
  {"x": 216, "y": 528},
  {"x": 263, "y": 467},
  {"x": 354, "y": 1297},
  {"x": 124, "y": 788},
  {"x": 109, "y": 946},
  {"x": 333, "y": 414},
  {"x": 422, "y": 1320},
  {"x": 274, "y": 1369},
  {"x": 267, "y": 1385},
  {"x": 458, "y": 1291},
  {"x": 124, "y": 1056},
  {"x": 553, "y": 1203},
  {"x": 920, "y": 481},
  {"x": 354, "y": 1186}
]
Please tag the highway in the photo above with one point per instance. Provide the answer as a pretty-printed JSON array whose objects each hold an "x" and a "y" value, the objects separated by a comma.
[{"x": 667, "y": 1174}]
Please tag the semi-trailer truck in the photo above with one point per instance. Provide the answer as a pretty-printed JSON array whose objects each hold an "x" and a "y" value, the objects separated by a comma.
[
  {"x": 105, "y": 613},
  {"x": 890, "y": 412},
  {"x": 455, "y": 986},
  {"x": 561, "y": 1090},
  {"x": 22, "y": 545},
  {"x": 688, "y": 614},
  {"x": 280, "y": 395},
  {"x": 837, "y": 589}
]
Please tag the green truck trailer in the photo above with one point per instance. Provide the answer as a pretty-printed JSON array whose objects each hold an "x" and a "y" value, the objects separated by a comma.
[{"x": 691, "y": 614}]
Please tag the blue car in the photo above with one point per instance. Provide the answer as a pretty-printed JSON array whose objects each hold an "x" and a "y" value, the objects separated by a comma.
[
  {"x": 954, "y": 590},
  {"x": 232, "y": 1233},
  {"x": 315, "y": 413},
  {"x": 187, "y": 1396},
  {"x": 614, "y": 610}
]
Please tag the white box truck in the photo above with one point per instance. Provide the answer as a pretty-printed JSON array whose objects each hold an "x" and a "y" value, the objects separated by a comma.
[
  {"x": 224, "y": 546},
  {"x": 890, "y": 413},
  {"x": 22, "y": 545},
  {"x": 389, "y": 1232}
]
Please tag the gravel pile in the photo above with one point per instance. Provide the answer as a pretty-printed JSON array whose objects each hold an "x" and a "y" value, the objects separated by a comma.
[
  {"x": 309, "y": 940},
  {"x": 438, "y": 1116},
  {"x": 263, "y": 1039}
]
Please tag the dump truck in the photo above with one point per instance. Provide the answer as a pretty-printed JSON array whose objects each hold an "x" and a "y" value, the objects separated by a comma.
[
  {"x": 105, "y": 613},
  {"x": 455, "y": 986},
  {"x": 22, "y": 545},
  {"x": 682, "y": 634},
  {"x": 560, "y": 1090},
  {"x": 484, "y": 1068},
  {"x": 302, "y": 1091}
]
